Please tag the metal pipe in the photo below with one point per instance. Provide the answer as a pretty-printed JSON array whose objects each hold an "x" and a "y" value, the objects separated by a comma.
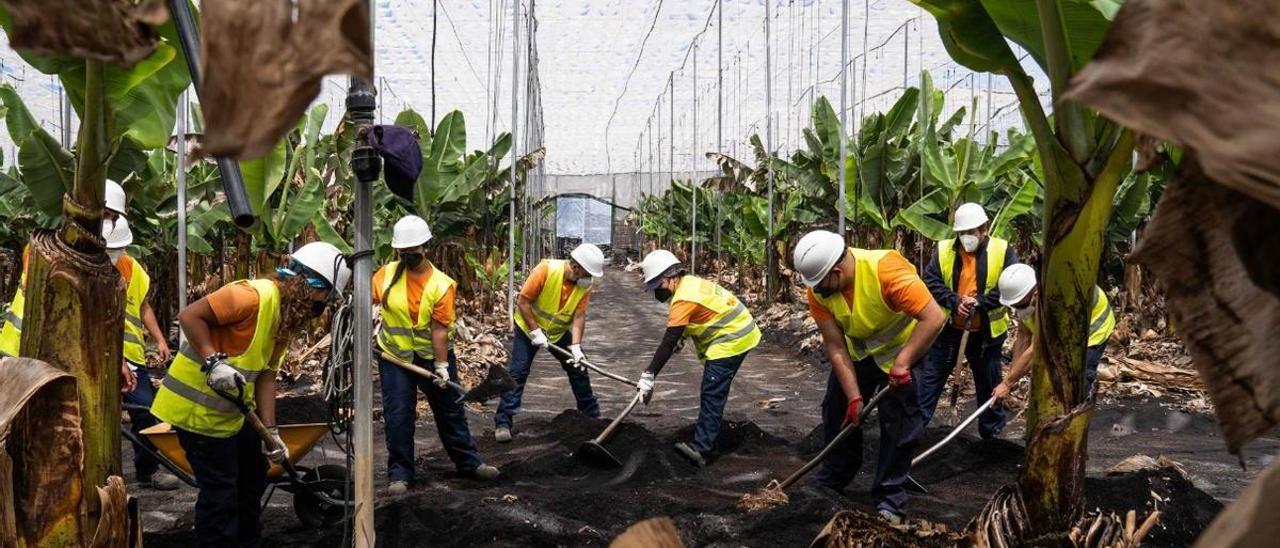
[
  {"x": 515, "y": 156},
  {"x": 232, "y": 182},
  {"x": 768, "y": 133},
  {"x": 181, "y": 169},
  {"x": 693, "y": 170},
  {"x": 844, "y": 117}
]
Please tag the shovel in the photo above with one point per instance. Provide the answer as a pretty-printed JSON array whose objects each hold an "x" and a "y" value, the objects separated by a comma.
[
  {"x": 954, "y": 432},
  {"x": 593, "y": 452},
  {"x": 497, "y": 382},
  {"x": 566, "y": 354},
  {"x": 255, "y": 423}
]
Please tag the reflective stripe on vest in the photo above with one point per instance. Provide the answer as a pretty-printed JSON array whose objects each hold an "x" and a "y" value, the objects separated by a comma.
[
  {"x": 995, "y": 253},
  {"x": 871, "y": 328},
  {"x": 135, "y": 294},
  {"x": 185, "y": 399},
  {"x": 400, "y": 335},
  {"x": 732, "y": 331},
  {"x": 553, "y": 318}
]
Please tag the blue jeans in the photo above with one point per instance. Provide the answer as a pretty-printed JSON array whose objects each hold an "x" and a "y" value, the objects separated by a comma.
[
  {"x": 716, "y": 378},
  {"x": 900, "y": 433},
  {"x": 522, "y": 353},
  {"x": 232, "y": 475},
  {"x": 400, "y": 412},
  {"x": 983, "y": 354},
  {"x": 144, "y": 465}
]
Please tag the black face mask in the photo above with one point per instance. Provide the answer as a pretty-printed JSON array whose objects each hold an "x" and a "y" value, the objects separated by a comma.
[
  {"x": 317, "y": 308},
  {"x": 412, "y": 259},
  {"x": 662, "y": 294}
]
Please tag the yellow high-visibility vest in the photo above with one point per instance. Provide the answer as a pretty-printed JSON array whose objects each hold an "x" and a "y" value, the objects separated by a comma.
[
  {"x": 730, "y": 332},
  {"x": 996, "y": 249},
  {"x": 134, "y": 296},
  {"x": 554, "y": 319},
  {"x": 1102, "y": 319},
  {"x": 400, "y": 335},
  {"x": 11, "y": 333},
  {"x": 185, "y": 399},
  {"x": 870, "y": 328}
]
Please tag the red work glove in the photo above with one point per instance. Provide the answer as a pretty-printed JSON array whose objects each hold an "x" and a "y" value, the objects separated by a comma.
[
  {"x": 899, "y": 378},
  {"x": 851, "y": 412}
]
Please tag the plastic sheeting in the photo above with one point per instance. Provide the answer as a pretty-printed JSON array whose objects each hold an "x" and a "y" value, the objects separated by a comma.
[{"x": 584, "y": 219}]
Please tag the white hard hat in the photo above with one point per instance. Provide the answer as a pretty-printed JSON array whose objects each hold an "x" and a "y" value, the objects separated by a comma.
[
  {"x": 1015, "y": 283},
  {"x": 969, "y": 216},
  {"x": 114, "y": 197},
  {"x": 118, "y": 234},
  {"x": 816, "y": 253},
  {"x": 590, "y": 258},
  {"x": 325, "y": 259},
  {"x": 410, "y": 231},
  {"x": 655, "y": 264}
]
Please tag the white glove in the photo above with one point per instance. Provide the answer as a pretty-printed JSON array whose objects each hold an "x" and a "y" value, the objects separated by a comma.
[
  {"x": 279, "y": 455},
  {"x": 224, "y": 378},
  {"x": 539, "y": 339},
  {"x": 442, "y": 374},
  {"x": 578, "y": 357},
  {"x": 646, "y": 386}
]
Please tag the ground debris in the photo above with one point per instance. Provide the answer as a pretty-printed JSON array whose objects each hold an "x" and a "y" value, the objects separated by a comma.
[
  {"x": 1109, "y": 531},
  {"x": 770, "y": 496},
  {"x": 852, "y": 528},
  {"x": 1139, "y": 463}
]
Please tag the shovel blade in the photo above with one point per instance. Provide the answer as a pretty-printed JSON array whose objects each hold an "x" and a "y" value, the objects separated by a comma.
[
  {"x": 594, "y": 454},
  {"x": 496, "y": 383}
]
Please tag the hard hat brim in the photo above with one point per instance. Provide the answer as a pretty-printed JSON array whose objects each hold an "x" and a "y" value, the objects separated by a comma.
[
  {"x": 968, "y": 226},
  {"x": 1017, "y": 298},
  {"x": 406, "y": 245}
]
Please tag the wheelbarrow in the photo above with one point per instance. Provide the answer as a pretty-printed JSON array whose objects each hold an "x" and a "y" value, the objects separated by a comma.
[{"x": 319, "y": 494}]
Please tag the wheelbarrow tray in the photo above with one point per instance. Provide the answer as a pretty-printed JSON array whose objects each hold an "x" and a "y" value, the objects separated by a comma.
[{"x": 299, "y": 438}]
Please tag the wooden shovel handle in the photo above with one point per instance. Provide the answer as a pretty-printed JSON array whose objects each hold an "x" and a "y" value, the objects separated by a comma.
[{"x": 618, "y": 420}]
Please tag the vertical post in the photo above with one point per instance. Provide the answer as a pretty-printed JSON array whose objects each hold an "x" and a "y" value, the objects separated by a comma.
[
  {"x": 515, "y": 156},
  {"x": 693, "y": 170},
  {"x": 768, "y": 137},
  {"x": 844, "y": 117},
  {"x": 719, "y": 109},
  {"x": 181, "y": 170},
  {"x": 906, "y": 52},
  {"x": 866, "y": 35},
  {"x": 361, "y": 102},
  {"x": 671, "y": 143},
  {"x": 66, "y": 117}
]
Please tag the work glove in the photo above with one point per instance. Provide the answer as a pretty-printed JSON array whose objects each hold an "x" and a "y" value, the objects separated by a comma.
[
  {"x": 224, "y": 378},
  {"x": 539, "y": 339},
  {"x": 851, "y": 412},
  {"x": 578, "y": 357},
  {"x": 442, "y": 374},
  {"x": 899, "y": 378},
  {"x": 645, "y": 386},
  {"x": 277, "y": 456}
]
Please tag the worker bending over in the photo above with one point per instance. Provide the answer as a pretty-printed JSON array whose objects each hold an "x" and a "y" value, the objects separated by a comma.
[
  {"x": 1018, "y": 292},
  {"x": 962, "y": 278},
  {"x": 877, "y": 321},
  {"x": 722, "y": 330},
  {"x": 552, "y": 309},
  {"x": 137, "y": 315},
  {"x": 417, "y": 326},
  {"x": 236, "y": 339},
  {"x": 11, "y": 333}
]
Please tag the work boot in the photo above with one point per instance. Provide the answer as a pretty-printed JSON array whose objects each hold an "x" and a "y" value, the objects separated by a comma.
[
  {"x": 483, "y": 472},
  {"x": 692, "y": 455},
  {"x": 398, "y": 487},
  {"x": 892, "y": 518},
  {"x": 162, "y": 481},
  {"x": 502, "y": 434}
]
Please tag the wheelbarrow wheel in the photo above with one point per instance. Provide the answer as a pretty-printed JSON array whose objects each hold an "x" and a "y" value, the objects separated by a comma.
[{"x": 310, "y": 509}]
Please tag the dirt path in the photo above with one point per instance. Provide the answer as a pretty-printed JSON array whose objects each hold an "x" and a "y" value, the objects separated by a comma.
[{"x": 547, "y": 499}]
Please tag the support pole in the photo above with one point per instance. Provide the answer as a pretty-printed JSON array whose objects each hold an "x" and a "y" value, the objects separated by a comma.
[
  {"x": 693, "y": 170},
  {"x": 671, "y": 143},
  {"x": 844, "y": 107},
  {"x": 768, "y": 137},
  {"x": 365, "y": 163},
  {"x": 515, "y": 157},
  {"x": 719, "y": 111},
  {"x": 181, "y": 170}
]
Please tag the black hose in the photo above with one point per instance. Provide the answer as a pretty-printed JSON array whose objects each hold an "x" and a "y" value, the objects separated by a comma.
[{"x": 232, "y": 181}]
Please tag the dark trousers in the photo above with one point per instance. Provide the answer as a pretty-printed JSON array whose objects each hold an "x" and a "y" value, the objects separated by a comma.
[
  {"x": 232, "y": 475},
  {"x": 983, "y": 354},
  {"x": 900, "y": 433},
  {"x": 144, "y": 465},
  {"x": 400, "y": 414},
  {"x": 522, "y": 353},
  {"x": 716, "y": 378},
  {"x": 1092, "y": 356}
]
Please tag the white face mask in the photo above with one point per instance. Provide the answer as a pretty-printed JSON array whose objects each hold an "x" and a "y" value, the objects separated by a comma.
[
  {"x": 585, "y": 282},
  {"x": 970, "y": 242},
  {"x": 115, "y": 254},
  {"x": 1023, "y": 313}
]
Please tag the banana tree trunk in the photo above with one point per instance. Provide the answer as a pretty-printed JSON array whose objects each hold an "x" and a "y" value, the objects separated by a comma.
[
  {"x": 1078, "y": 207},
  {"x": 75, "y": 303}
]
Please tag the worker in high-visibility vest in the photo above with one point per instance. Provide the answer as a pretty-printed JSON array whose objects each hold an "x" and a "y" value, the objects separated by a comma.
[
  {"x": 1018, "y": 292},
  {"x": 11, "y": 332},
  {"x": 417, "y": 327},
  {"x": 138, "y": 315},
  {"x": 877, "y": 320},
  {"x": 552, "y": 309},
  {"x": 962, "y": 277},
  {"x": 722, "y": 330},
  {"x": 236, "y": 339}
]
